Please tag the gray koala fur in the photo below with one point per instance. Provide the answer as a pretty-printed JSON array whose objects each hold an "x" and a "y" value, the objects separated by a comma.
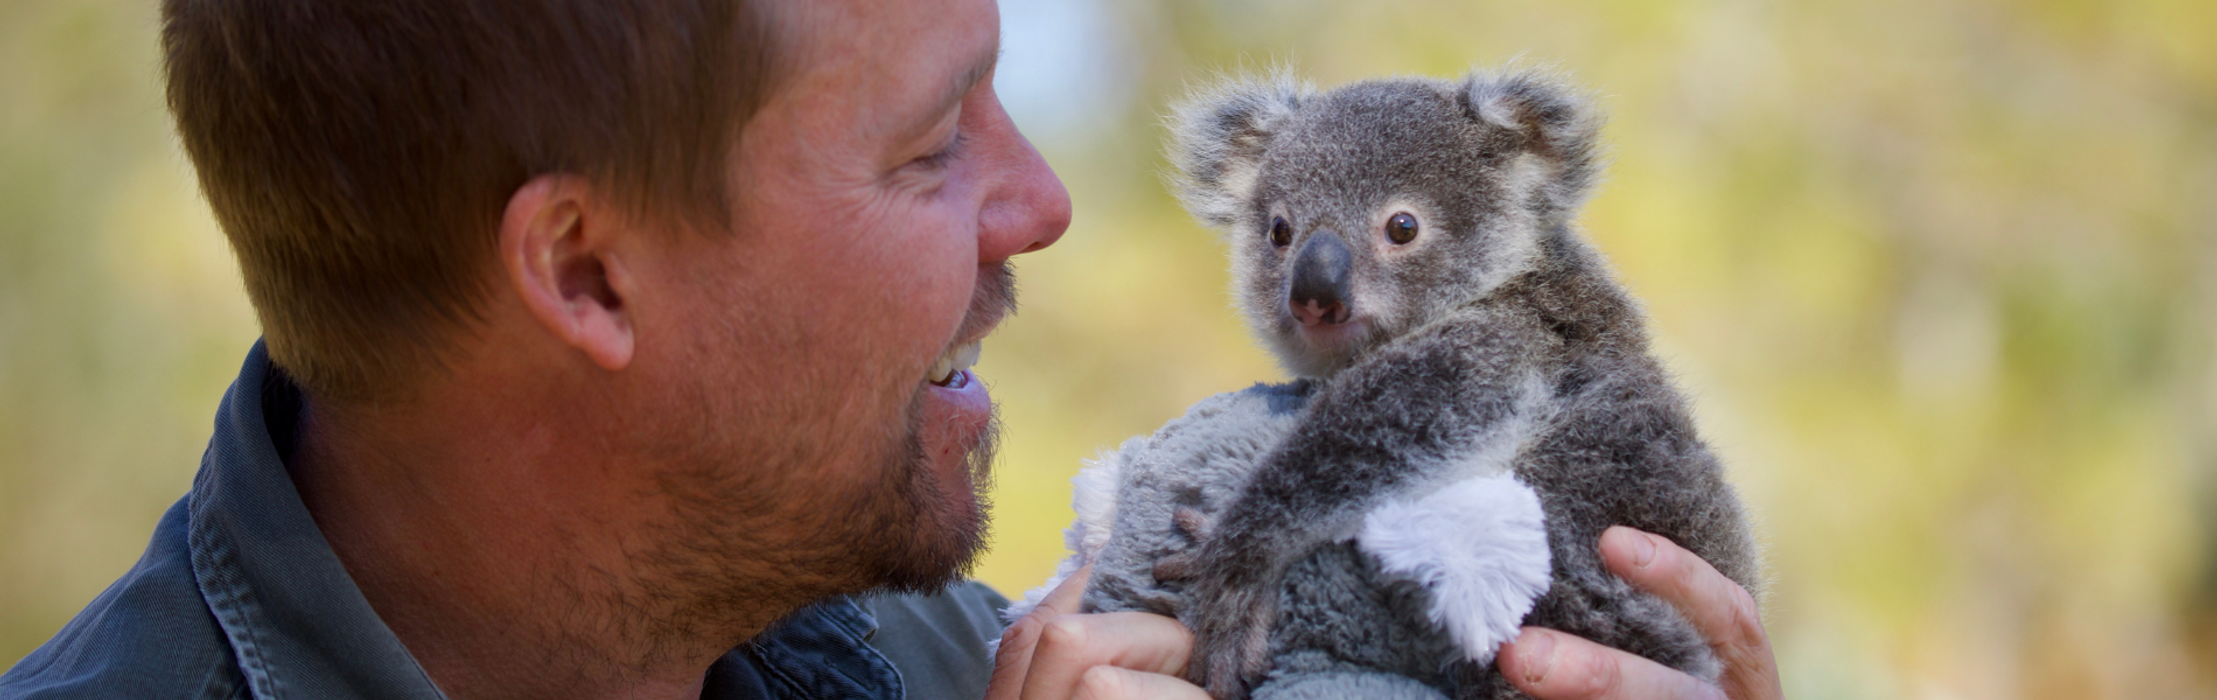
[
  {"x": 1345, "y": 629},
  {"x": 1494, "y": 343}
]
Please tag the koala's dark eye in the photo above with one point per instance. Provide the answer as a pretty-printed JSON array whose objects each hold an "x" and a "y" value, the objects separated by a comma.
[
  {"x": 1281, "y": 233},
  {"x": 1401, "y": 228}
]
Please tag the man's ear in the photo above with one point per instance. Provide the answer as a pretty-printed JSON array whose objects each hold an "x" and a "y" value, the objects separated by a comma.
[{"x": 557, "y": 247}]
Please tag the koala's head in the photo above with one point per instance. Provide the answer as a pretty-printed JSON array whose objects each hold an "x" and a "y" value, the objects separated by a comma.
[{"x": 1357, "y": 215}]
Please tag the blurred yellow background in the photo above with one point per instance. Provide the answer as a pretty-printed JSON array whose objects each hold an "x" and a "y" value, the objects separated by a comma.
[{"x": 1940, "y": 276}]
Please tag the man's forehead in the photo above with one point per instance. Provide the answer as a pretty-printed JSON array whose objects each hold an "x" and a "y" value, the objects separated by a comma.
[{"x": 896, "y": 60}]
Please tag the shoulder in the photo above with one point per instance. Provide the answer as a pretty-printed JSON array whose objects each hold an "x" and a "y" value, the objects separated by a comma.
[
  {"x": 939, "y": 641},
  {"x": 150, "y": 635}
]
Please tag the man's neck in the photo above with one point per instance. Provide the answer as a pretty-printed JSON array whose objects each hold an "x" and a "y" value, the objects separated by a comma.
[{"x": 490, "y": 548}]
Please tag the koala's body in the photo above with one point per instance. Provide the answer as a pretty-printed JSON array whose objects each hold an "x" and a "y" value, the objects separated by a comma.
[{"x": 1477, "y": 402}]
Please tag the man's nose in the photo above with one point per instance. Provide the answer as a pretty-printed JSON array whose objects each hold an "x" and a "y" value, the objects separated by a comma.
[
  {"x": 1028, "y": 208},
  {"x": 1320, "y": 293}
]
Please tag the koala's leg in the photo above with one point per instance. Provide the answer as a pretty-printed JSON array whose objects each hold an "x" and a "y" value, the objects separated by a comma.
[
  {"x": 1631, "y": 460},
  {"x": 1373, "y": 431},
  {"x": 1586, "y": 600}
]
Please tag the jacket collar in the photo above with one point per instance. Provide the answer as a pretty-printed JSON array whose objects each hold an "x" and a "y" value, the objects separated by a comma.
[{"x": 297, "y": 624}]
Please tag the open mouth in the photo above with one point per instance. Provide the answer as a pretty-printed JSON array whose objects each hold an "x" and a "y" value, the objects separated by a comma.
[{"x": 954, "y": 365}]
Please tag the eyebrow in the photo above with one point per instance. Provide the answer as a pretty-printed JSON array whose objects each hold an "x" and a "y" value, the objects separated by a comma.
[{"x": 962, "y": 86}]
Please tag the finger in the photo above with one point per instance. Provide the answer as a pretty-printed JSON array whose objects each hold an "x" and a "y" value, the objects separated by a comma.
[
  {"x": 1112, "y": 683},
  {"x": 1012, "y": 661},
  {"x": 1072, "y": 645},
  {"x": 1550, "y": 665},
  {"x": 1721, "y": 610},
  {"x": 1063, "y": 600},
  {"x": 1013, "y": 658}
]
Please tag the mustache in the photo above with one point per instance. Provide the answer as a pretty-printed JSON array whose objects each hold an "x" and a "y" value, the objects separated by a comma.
[{"x": 993, "y": 300}]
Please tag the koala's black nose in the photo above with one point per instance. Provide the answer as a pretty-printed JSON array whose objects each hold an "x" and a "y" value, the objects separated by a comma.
[{"x": 1320, "y": 277}]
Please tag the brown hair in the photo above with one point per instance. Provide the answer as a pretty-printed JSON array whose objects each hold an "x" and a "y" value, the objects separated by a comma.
[{"x": 359, "y": 153}]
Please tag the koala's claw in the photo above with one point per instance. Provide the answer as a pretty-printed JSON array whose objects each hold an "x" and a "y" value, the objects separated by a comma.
[
  {"x": 1191, "y": 521},
  {"x": 1178, "y": 567},
  {"x": 1183, "y": 566},
  {"x": 1164, "y": 604}
]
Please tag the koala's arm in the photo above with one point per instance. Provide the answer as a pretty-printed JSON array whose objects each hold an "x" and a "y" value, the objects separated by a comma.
[{"x": 1373, "y": 431}]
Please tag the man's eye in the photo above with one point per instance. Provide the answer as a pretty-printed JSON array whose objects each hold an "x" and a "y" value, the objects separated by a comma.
[{"x": 943, "y": 156}]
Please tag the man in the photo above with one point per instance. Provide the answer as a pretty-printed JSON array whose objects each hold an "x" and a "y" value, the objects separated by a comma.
[{"x": 610, "y": 346}]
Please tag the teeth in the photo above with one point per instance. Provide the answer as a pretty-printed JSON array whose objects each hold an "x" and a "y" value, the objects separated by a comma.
[{"x": 957, "y": 359}]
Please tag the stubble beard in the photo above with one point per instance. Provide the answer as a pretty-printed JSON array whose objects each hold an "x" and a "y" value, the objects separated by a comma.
[
  {"x": 736, "y": 542},
  {"x": 931, "y": 536}
]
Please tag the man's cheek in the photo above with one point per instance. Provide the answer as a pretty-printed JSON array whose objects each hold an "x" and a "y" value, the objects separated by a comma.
[{"x": 939, "y": 282}]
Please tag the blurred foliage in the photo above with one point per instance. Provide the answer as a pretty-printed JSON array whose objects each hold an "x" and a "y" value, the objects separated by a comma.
[
  {"x": 1941, "y": 277},
  {"x": 122, "y": 318}
]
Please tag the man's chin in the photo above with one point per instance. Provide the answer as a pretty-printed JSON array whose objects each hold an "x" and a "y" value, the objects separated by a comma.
[{"x": 954, "y": 432}]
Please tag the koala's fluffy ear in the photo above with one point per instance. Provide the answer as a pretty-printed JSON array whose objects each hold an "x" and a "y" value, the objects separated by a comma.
[
  {"x": 1218, "y": 137},
  {"x": 1549, "y": 119}
]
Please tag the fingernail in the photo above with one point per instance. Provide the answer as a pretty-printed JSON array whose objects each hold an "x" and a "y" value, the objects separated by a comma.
[
  {"x": 1536, "y": 651},
  {"x": 1643, "y": 549}
]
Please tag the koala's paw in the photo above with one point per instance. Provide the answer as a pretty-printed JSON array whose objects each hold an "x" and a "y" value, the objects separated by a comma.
[{"x": 1231, "y": 635}]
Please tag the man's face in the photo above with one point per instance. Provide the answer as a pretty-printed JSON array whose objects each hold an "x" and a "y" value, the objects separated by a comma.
[{"x": 877, "y": 196}]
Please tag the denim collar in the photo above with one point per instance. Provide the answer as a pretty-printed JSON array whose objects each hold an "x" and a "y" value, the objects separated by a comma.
[
  {"x": 297, "y": 624},
  {"x": 299, "y": 628}
]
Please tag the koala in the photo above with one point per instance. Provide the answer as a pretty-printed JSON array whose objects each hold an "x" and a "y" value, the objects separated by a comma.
[{"x": 1475, "y": 402}]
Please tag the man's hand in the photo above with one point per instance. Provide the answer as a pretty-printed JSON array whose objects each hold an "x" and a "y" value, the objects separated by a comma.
[
  {"x": 1550, "y": 665},
  {"x": 1051, "y": 654}
]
